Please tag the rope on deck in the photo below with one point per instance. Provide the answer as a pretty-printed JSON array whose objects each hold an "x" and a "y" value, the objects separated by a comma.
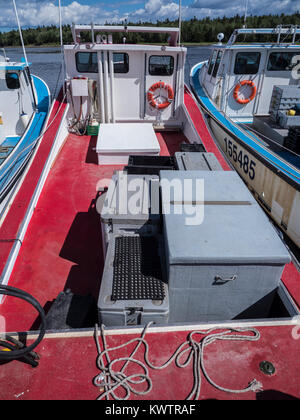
[{"x": 112, "y": 380}]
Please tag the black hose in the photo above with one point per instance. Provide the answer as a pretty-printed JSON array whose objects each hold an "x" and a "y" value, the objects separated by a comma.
[{"x": 20, "y": 294}]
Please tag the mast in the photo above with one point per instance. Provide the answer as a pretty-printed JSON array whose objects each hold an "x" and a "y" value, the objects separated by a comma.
[
  {"x": 179, "y": 38},
  {"x": 61, "y": 45},
  {"x": 20, "y": 32},
  {"x": 25, "y": 55},
  {"x": 245, "y": 17}
]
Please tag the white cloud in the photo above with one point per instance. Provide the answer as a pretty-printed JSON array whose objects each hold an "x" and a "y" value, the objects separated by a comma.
[
  {"x": 43, "y": 12},
  {"x": 35, "y": 13},
  {"x": 255, "y": 7},
  {"x": 156, "y": 10}
]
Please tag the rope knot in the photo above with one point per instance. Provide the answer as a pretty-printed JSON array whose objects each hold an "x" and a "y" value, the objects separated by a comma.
[{"x": 255, "y": 386}]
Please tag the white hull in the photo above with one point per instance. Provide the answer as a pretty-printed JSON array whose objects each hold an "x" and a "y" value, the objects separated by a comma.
[{"x": 280, "y": 199}]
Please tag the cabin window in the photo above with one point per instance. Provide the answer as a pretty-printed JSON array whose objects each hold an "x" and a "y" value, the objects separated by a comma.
[
  {"x": 217, "y": 64},
  {"x": 121, "y": 63},
  {"x": 87, "y": 62},
  {"x": 12, "y": 81},
  {"x": 282, "y": 61},
  {"x": 161, "y": 65},
  {"x": 247, "y": 63},
  {"x": 212, "y": 61}
]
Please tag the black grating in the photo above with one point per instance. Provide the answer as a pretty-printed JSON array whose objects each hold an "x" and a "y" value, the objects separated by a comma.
[
  {"x": 192, "y": 147},
  {"x": 137, "y": 269}
]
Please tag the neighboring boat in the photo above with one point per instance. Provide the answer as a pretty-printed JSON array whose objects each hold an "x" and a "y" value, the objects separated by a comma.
[
  {"x": 25, "y": 103},
  {"x": 108, "y": 228},
  {"x": 251, "y": 94}
]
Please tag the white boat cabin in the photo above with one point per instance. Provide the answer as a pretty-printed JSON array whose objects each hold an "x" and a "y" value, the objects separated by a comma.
[
  {"x": 109, "y": 82},
  {"x": 240, "y": 78},
  {"x": 17, "y": 103}
]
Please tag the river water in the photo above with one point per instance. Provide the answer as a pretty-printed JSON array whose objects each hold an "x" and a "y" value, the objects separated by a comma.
[{"x": 46, "y": 62}]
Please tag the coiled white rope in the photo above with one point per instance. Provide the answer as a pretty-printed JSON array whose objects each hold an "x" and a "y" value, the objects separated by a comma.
[{"x": 112, "y": 380}]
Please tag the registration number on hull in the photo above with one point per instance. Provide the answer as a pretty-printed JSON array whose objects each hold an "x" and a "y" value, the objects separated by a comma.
[{"x": 242, "y": 159}]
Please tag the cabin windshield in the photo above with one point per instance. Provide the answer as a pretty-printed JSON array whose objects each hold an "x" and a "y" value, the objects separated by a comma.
[
  {"x": 247, "y": 63},
  {"x": 87, "y": 62},
  {"x": 217, "y": 64},
  {"x": 212, "y": 62},
  {"x": 283, "y": 61},
  {"x": 160, "y": 65}
]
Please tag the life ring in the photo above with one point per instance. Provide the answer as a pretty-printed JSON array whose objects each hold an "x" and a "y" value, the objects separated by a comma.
[
  {"x": 237, "y": 89},
  {"x": 150, "y": 95}
]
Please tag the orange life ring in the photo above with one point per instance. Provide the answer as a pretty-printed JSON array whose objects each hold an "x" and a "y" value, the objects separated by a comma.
[
  {"x": 153, "y": 102},
  {"x": 237, "y": 89}
]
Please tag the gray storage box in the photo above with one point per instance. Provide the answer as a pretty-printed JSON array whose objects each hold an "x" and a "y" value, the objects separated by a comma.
[
  {"x": 286, "y": 121},
  {"x": 229, "y": 262},
  {"x": 284, "y": 98},
  {"x": 137, "y": 209},
  {"x": 129, "y": 312},
  {"x": 197, "y": 162}
]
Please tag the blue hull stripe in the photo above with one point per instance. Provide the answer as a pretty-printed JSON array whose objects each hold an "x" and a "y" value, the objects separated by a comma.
[{"x": 12, "y": 166}]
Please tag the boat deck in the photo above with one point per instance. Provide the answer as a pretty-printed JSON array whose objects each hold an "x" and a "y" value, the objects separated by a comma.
[
  {"x": 229, "y": 364},
  {"x": 62, "y": 247},
  {"x": 62, "y": 250}
]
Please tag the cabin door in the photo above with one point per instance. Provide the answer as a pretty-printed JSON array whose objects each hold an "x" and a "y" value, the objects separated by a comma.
[{"x": 122, "y": 82}]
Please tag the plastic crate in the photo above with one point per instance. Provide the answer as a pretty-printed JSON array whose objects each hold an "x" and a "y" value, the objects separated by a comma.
[
  {"x": 133, "y": 289},
  {"x": 92, "y": 130},
  {"x": 192, "y": 147},
  {"x": 150, "y": 165}
]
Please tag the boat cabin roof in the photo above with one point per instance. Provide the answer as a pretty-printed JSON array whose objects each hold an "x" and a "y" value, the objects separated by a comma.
[
  {"x": 7, "y": 65},
  {"x": 77, "y": 29},
  {"x": 260, "y": 46},
  {"x": 291, "y": 32}
]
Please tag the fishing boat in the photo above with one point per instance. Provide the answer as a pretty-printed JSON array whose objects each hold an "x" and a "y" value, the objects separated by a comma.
[
  {"x": 251, "y": 94},
  {"x": 135, "y": 263},
  {"x": 25, "y": 103}
]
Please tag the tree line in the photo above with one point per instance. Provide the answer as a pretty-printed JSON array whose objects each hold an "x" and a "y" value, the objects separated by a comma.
[{"x": 193, "y": 30}]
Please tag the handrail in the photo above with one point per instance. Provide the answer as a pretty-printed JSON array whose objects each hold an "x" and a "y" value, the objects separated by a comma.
[
  {"x": 292, "y": 30},
  {"x": 173, "y": 32}
]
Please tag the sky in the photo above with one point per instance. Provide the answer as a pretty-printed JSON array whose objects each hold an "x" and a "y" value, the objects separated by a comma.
[{"x": 41, "y": 12}]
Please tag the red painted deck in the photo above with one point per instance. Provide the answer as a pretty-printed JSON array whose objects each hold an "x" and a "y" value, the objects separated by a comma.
[
  {"x": 62, "y": 250},
  {"x": 201, "y": 127},
  {"x": 10, "y": 227},
  {"x": 62, "y": 247},
  {"x": 67, "y": 368}
]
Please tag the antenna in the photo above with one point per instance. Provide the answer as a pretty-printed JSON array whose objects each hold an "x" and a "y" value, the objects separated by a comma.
[
  {"x": 245, "y": 17},
  {"x": 179, "y": 38},
  {"x": 20, "y": 32},
  {"x": 61, "y": 44}
]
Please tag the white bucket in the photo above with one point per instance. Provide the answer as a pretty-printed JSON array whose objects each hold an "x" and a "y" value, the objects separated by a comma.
[{"x": 25, "y": 120}]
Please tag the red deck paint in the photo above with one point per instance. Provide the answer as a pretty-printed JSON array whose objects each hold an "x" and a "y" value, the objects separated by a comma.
[
  {"x": 200, "y": 125},
  {"x": 291, "y": 279},
  {"x": 67, "y": 368},
  {"x": 62, "y": 249},
  {"x": 10, "y": 227}
]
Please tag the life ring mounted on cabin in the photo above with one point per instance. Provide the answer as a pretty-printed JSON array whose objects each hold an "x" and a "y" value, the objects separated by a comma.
[
  {"x": 152, "y": 100},
  {"x": 237, "y": 90}
]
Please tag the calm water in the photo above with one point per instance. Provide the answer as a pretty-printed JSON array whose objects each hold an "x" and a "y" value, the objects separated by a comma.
[{"x": 46, "y": 62}]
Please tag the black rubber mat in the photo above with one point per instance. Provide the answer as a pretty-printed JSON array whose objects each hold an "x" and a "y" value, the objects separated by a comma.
[{"x": 137, "y": 269}]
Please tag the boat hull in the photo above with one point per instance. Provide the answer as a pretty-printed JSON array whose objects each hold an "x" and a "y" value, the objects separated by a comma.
[
  {"x": 14, "y": 165},
  {"x": 278, "y": 191},
  {"x": 280, "y": 199}
]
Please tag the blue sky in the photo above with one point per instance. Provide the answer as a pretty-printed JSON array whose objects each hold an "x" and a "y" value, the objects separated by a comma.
[{"x": 42, "y": 12}]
